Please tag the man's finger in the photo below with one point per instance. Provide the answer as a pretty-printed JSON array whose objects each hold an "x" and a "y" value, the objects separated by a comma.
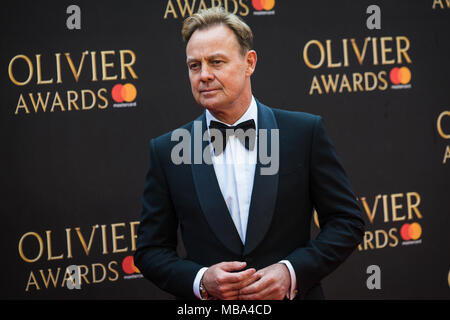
[
  {"x": 234, "y": 277},
  {"x": 253, "y": 278},
  {"x": 232, "y": 295},
  {"x": 233, "y": 266},
  {"x": 237, "y": 286},
  {"x": 265, "y": 294},
  {"x": 255, "y": 287}
]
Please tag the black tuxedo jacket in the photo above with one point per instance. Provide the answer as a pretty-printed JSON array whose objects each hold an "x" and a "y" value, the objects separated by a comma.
[{"x": 188, "y": 195}]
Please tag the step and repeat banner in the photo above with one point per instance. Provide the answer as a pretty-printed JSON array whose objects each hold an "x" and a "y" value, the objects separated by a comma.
[{"x": 86, "y": 84}]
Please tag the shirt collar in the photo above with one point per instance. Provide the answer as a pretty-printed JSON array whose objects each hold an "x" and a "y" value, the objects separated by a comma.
[{"x": 251, "y": 113}]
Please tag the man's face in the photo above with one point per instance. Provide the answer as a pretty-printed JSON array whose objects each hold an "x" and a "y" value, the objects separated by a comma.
[{"x": 218, "y": 72}]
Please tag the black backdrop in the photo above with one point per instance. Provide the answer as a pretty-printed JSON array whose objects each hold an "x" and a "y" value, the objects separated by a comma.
[{"x": 72, "y": 179}]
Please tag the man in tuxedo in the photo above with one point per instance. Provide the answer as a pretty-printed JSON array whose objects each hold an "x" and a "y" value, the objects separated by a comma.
[{"x": 246, "y": 233}]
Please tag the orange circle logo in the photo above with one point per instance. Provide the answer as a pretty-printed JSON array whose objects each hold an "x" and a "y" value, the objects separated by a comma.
[
  {"x": 128, "y": 265},
  {"x": 263, "y": 4},
  {"x": 400, "y": 75},
  {"x": 411, "y": 231},
  {"x": 121, "y": 93}
]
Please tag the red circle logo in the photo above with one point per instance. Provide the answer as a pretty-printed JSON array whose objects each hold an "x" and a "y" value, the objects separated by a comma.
[
  {"x": 400, "y": 75},
  {"x": 263, "y": 4},
  {"x": 121, "y": 93},
  {"x": 411, "y": 231},
  {"x": 128, "y": 265}
]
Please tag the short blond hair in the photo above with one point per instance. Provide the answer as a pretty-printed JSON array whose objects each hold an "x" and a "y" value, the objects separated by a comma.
[{"x": 218, "y": 16}]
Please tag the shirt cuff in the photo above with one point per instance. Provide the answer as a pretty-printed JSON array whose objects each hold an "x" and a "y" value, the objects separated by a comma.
[
  {"x": 293, "y": 288},
  {"x": 197, "y": 280}
]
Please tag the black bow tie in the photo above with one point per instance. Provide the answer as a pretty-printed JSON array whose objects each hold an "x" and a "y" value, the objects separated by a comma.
[{"x": 247, "y": 138}]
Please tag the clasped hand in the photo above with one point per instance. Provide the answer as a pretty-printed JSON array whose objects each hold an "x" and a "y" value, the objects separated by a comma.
[{"x": 226, "y": 281}]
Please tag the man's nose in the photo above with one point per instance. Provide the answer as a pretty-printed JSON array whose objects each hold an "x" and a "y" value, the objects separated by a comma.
[{"x": 206, "y": 74}]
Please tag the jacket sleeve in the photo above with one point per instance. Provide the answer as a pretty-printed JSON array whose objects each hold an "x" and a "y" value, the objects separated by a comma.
[
  {"x": 341, "y": 223},
  {"x": 156, "y": 255}
]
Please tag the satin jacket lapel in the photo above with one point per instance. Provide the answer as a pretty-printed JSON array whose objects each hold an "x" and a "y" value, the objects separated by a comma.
[
  {"x": 265, "y": 188},
  {"x": 210, "y": 197}
]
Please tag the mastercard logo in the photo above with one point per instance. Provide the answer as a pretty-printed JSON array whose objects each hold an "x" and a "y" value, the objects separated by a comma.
[
  {"x": 123, "y": 92},
  {"x": 411, "y": 231},
  {"x": 400, "y": 75},
  {"x": 263, "y": 4},
  {"x": 128, "y": 265}
]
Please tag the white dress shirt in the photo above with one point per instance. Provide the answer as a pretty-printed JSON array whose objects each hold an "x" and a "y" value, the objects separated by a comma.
[{"x": 235, "y": 172}]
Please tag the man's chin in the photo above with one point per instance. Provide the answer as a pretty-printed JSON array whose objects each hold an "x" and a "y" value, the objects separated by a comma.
[{"x": 211, "y": 104}]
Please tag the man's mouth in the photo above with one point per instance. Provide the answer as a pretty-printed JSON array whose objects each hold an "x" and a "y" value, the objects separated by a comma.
[{"x": 208, "y": 90}]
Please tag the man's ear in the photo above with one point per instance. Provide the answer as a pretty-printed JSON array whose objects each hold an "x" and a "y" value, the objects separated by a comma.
[{"x": 250, "y": 59}]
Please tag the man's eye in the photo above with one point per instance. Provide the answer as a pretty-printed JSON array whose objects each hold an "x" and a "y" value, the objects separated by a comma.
[
  {"x": 193, "y": 66},
  {"x": 217, "y": 62}
]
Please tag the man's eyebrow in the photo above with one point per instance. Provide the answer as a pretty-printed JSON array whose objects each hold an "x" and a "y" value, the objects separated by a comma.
[
  {"x": 211, "y": 57},
  {"x": 191, "y": 60},
  {"x": 216, "y": 55}
]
